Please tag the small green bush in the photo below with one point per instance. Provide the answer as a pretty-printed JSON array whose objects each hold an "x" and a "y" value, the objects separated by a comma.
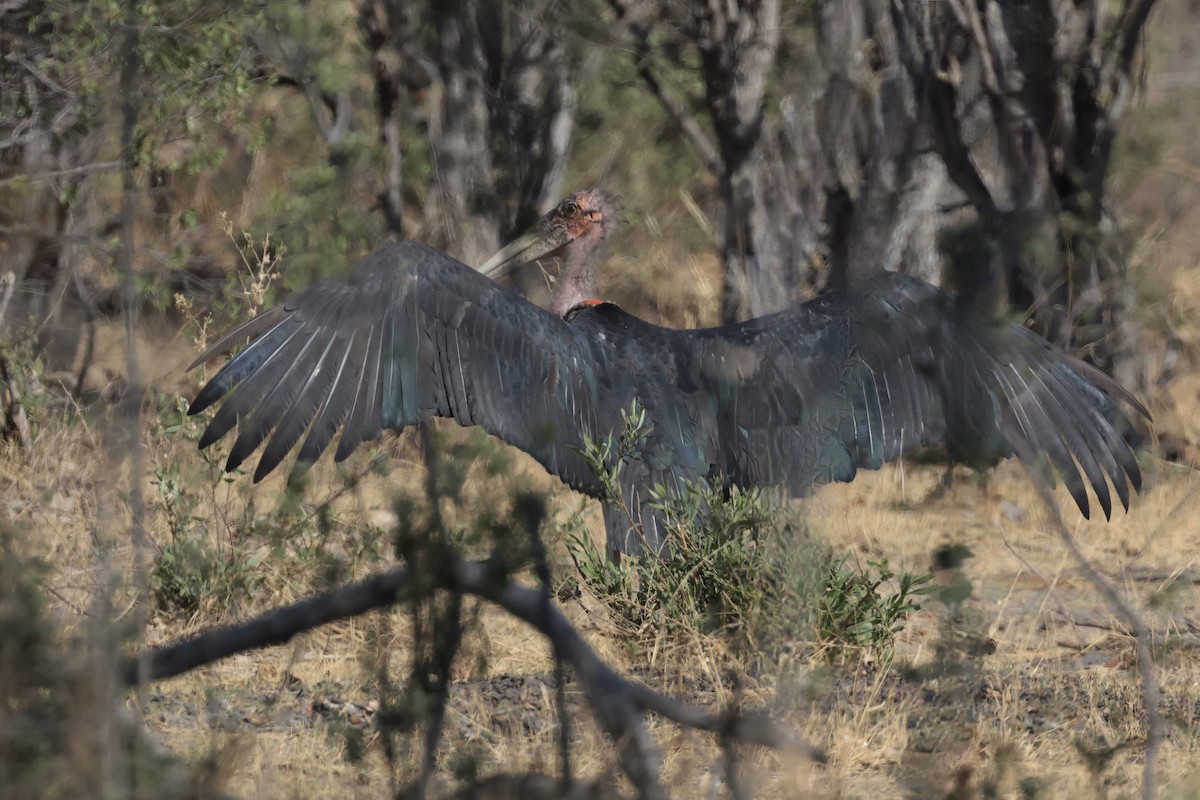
[
  {"x": 190, "y": 571},
  {"x": 738, "y": 565},
  {"x": 857, "y": 615},
  {"x": 189, "y": 574}
]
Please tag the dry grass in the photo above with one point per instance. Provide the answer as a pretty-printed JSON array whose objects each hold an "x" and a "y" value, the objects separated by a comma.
[{"x": 1034, "y": 716}]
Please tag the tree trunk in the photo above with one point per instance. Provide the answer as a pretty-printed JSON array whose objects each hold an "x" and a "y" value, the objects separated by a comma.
[{"x": 737, "y": 43}]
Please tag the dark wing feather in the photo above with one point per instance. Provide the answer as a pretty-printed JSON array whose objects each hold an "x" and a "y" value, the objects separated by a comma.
[
  {"x": 362, "y": 402},
  {"x": 812, "y": 394},
  {"x": 416, "y": 335},
  {"x": 343, "y": 381}
]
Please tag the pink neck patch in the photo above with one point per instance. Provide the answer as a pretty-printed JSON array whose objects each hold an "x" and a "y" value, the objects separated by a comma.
[{"x": 590, "y": 303}]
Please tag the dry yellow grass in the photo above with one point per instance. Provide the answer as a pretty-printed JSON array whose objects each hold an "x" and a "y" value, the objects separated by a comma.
[
  {"x": 1061, "y": 678},
  {"x": 1059, "y": 684}
]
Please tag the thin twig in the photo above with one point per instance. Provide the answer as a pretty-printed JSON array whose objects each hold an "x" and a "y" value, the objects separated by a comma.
[
  {"x": 1145, "y": 659},
  {"x": 103, "y": 166}
]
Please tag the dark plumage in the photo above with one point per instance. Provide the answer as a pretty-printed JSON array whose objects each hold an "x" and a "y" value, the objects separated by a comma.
[{"x": 798, "y": 398}]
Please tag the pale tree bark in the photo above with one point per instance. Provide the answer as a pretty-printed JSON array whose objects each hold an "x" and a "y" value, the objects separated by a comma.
[
  {"x": 970, "y": 133},
  {"x": 882, "y": 188},
  {"x": 737, "y": 44},
  {"x": 1049, "y": 83}
]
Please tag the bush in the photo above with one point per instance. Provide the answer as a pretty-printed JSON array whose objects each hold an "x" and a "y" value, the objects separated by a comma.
[
  {"x": 857, "y": 615},
  {"x": 740, "y": 566},
  {"x": 189, "y": 574}
]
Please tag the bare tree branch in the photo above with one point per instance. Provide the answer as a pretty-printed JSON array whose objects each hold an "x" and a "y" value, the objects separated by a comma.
[
  {"x": 738, "y": 42},
  {"x": 639, "y": 38},
  {"x": 619, "y": 704},
  {"x": 1131, "y": 618}
]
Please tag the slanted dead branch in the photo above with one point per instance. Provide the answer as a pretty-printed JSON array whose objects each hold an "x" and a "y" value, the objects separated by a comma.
[
  {"x": 1130, "y": 617},
  {"x": 620, "y": 705}
]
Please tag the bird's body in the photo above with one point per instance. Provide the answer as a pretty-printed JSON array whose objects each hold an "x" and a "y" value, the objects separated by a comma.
[{"x": 799, "y": 398}]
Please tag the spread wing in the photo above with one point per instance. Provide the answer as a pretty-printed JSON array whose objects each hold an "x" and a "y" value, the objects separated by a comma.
[
  {"x": 416, "y": 334},
  {"x": 799, "y": 398},
  {"x": 812, "y": 394}
]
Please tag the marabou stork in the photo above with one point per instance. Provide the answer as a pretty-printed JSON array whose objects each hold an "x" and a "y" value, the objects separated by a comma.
[{"x": 802, "y": 397}]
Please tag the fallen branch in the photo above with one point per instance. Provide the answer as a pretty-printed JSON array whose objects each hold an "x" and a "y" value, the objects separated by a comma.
[{"x": 619, "y": 704}]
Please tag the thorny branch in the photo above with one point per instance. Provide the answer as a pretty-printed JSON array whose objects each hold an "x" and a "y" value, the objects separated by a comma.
[{"x": 619, "y": 704}]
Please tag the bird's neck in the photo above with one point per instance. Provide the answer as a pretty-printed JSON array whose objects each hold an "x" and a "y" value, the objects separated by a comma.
[{"x": 577, "y": 282}]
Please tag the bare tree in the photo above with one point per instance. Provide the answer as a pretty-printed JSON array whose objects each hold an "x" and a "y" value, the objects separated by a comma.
[
  {"x": 737, "y": 44},
  {"x": 491, "y": 91},
  {"x": 1048, "y": 83},
  {"x": 1017, "y": 106},
  {"x": 46, "y": 152},
  {"x": 501, "y": 126},
  {"x": 972, "y": 131}
]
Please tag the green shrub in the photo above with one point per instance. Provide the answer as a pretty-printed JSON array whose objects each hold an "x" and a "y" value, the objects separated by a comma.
[
  {"x": 857, "y": 615},
  {"x": 189, "y": 573},
  {"x": 738, "y": 565}
]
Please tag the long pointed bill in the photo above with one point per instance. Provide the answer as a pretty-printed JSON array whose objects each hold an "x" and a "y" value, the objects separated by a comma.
[{"x": 539, "y": 242}]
